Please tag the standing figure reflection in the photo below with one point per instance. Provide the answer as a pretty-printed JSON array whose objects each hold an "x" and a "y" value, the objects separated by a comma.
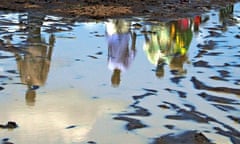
[
  {"x": 224, "y": 15},
  {"x": 156, "y": 47},
  {"x": 34, "y": 64},
  {"x": 168, "y": 44},
  {"x": 120, "y": 55},
  {"x": 181, "y": 36}
]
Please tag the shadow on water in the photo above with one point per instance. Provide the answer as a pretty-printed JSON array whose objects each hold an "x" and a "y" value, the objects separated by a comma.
[{"x": 171, "y": 82}]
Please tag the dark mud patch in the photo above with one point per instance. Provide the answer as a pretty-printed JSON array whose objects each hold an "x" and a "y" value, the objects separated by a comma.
[
  {"x": 139, "y": 111},
  {"x": 132, "y": 123},
  {"x": 188, "y": 115},
  {"x": 234, "y": 137},
  {"x": 199, "y": 117},
  {"x": 202, "y": 63},
  {"x": 218, "y": 99},
  {"x": 71, "y": 126},
  {"x": 91, "y": 142},
  {"x": 187, "y": 137},
  {"x": 217, "y": 78},
  {"x": 149, "y": 92},
  {"x": 200, "y": 85},
  {"x": 177, "y": 79},
  {"x": 180, "y": 93},
  {"x": 9, "y": 125},
  {"x": 1, "y": 88},
  {"x": 234, "y": 118},
  {"x": 6, "y": 141},
  {"x": 225, "y": 107},
  {"x": 183, "y": 114}
]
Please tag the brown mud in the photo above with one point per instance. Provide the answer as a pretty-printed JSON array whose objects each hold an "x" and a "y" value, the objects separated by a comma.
[{"x": 101, "y": 9}]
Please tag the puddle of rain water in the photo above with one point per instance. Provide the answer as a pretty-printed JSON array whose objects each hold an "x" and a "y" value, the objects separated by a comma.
[{"x": 119, "y": 81}]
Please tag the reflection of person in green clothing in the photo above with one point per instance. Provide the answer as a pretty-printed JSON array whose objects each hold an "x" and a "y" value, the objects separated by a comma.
[
  {"x": 181, "y": 35},
  {"x": 156, "y": 47},
  {"x": 168, "y": 44}
]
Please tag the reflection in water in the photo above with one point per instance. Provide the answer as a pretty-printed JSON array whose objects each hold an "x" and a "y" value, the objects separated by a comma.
[
  {"x": 168, "y": 44},
  {"x": 224, "y": 14},
  {"x": 34, "y": 64},
  {"x": 67, "y": 111},
  {"x": 120, "y": 56}
]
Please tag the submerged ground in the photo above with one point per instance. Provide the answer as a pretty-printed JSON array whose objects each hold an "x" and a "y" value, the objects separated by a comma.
[{"x": 134, "y": 79}]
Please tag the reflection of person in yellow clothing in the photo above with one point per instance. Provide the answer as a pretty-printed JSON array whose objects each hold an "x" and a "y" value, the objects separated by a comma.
[
  {"x": 120, "y": 56},
  {"x": 34, "y": 64},
  {"x": 168, "y": 44},
  {"x": 157, "y": 47},
  {"x": 181, "y": 34}
]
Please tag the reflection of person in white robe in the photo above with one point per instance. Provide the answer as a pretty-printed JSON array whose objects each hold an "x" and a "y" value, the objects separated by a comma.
[{"x": 120, "y": 56}]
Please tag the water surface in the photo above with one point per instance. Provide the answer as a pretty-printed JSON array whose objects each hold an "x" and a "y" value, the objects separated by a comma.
[{"x": 120, "y": 80}]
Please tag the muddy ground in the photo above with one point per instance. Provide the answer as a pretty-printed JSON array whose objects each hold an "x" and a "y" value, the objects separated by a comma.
[{"x": 100, "y": 9}]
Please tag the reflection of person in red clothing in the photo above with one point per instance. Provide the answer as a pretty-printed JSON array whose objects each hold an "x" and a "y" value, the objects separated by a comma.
[
  {"x": 120, "y": 56},
  {"x": 197, "y": 21}
]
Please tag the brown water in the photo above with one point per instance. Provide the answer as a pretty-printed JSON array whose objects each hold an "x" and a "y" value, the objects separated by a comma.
[{"x": 119, "y": 81}]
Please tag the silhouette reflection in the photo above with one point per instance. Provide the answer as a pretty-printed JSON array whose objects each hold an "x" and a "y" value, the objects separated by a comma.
[
  {"x": 120, "y": 54},
  {"x": 224, "y": 15},
  {"x": 168, "y": 43},
  {"x": 34, "y": 64}
]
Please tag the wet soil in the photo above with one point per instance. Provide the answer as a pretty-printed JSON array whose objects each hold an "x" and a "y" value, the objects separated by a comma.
[{"x": 100, "y": 9}]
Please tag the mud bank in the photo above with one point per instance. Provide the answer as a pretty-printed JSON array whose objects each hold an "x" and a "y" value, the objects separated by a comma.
[{"x": 101, "y": 9}]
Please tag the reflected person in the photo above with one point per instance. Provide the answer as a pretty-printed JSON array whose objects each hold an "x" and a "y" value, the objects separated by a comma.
[
  {"x": 120, "y": 55},
  {"x": 34, "y": 64},
  {"x": 157, "y": 45},
  {"x": 225, "y": 14},
  {"x": 181, "y": 35}
]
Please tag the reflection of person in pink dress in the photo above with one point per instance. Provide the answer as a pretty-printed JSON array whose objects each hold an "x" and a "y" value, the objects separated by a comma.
[{"x": 120, "y": 56}]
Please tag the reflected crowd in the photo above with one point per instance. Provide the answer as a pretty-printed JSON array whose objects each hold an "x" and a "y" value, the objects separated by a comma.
[
  {"x": 164, "y": 44},
  {"x": 168, "y": 43}
]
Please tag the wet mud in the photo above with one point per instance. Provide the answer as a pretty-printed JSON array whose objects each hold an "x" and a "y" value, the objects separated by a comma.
[
  {"x": 85, "y": 9},
  {"x": 188, "y": 137},
  {"x": 178, "y": 79}
]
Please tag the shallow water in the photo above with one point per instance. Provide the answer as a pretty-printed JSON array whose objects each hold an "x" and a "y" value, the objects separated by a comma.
[{"x": 119, "y": 81}]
